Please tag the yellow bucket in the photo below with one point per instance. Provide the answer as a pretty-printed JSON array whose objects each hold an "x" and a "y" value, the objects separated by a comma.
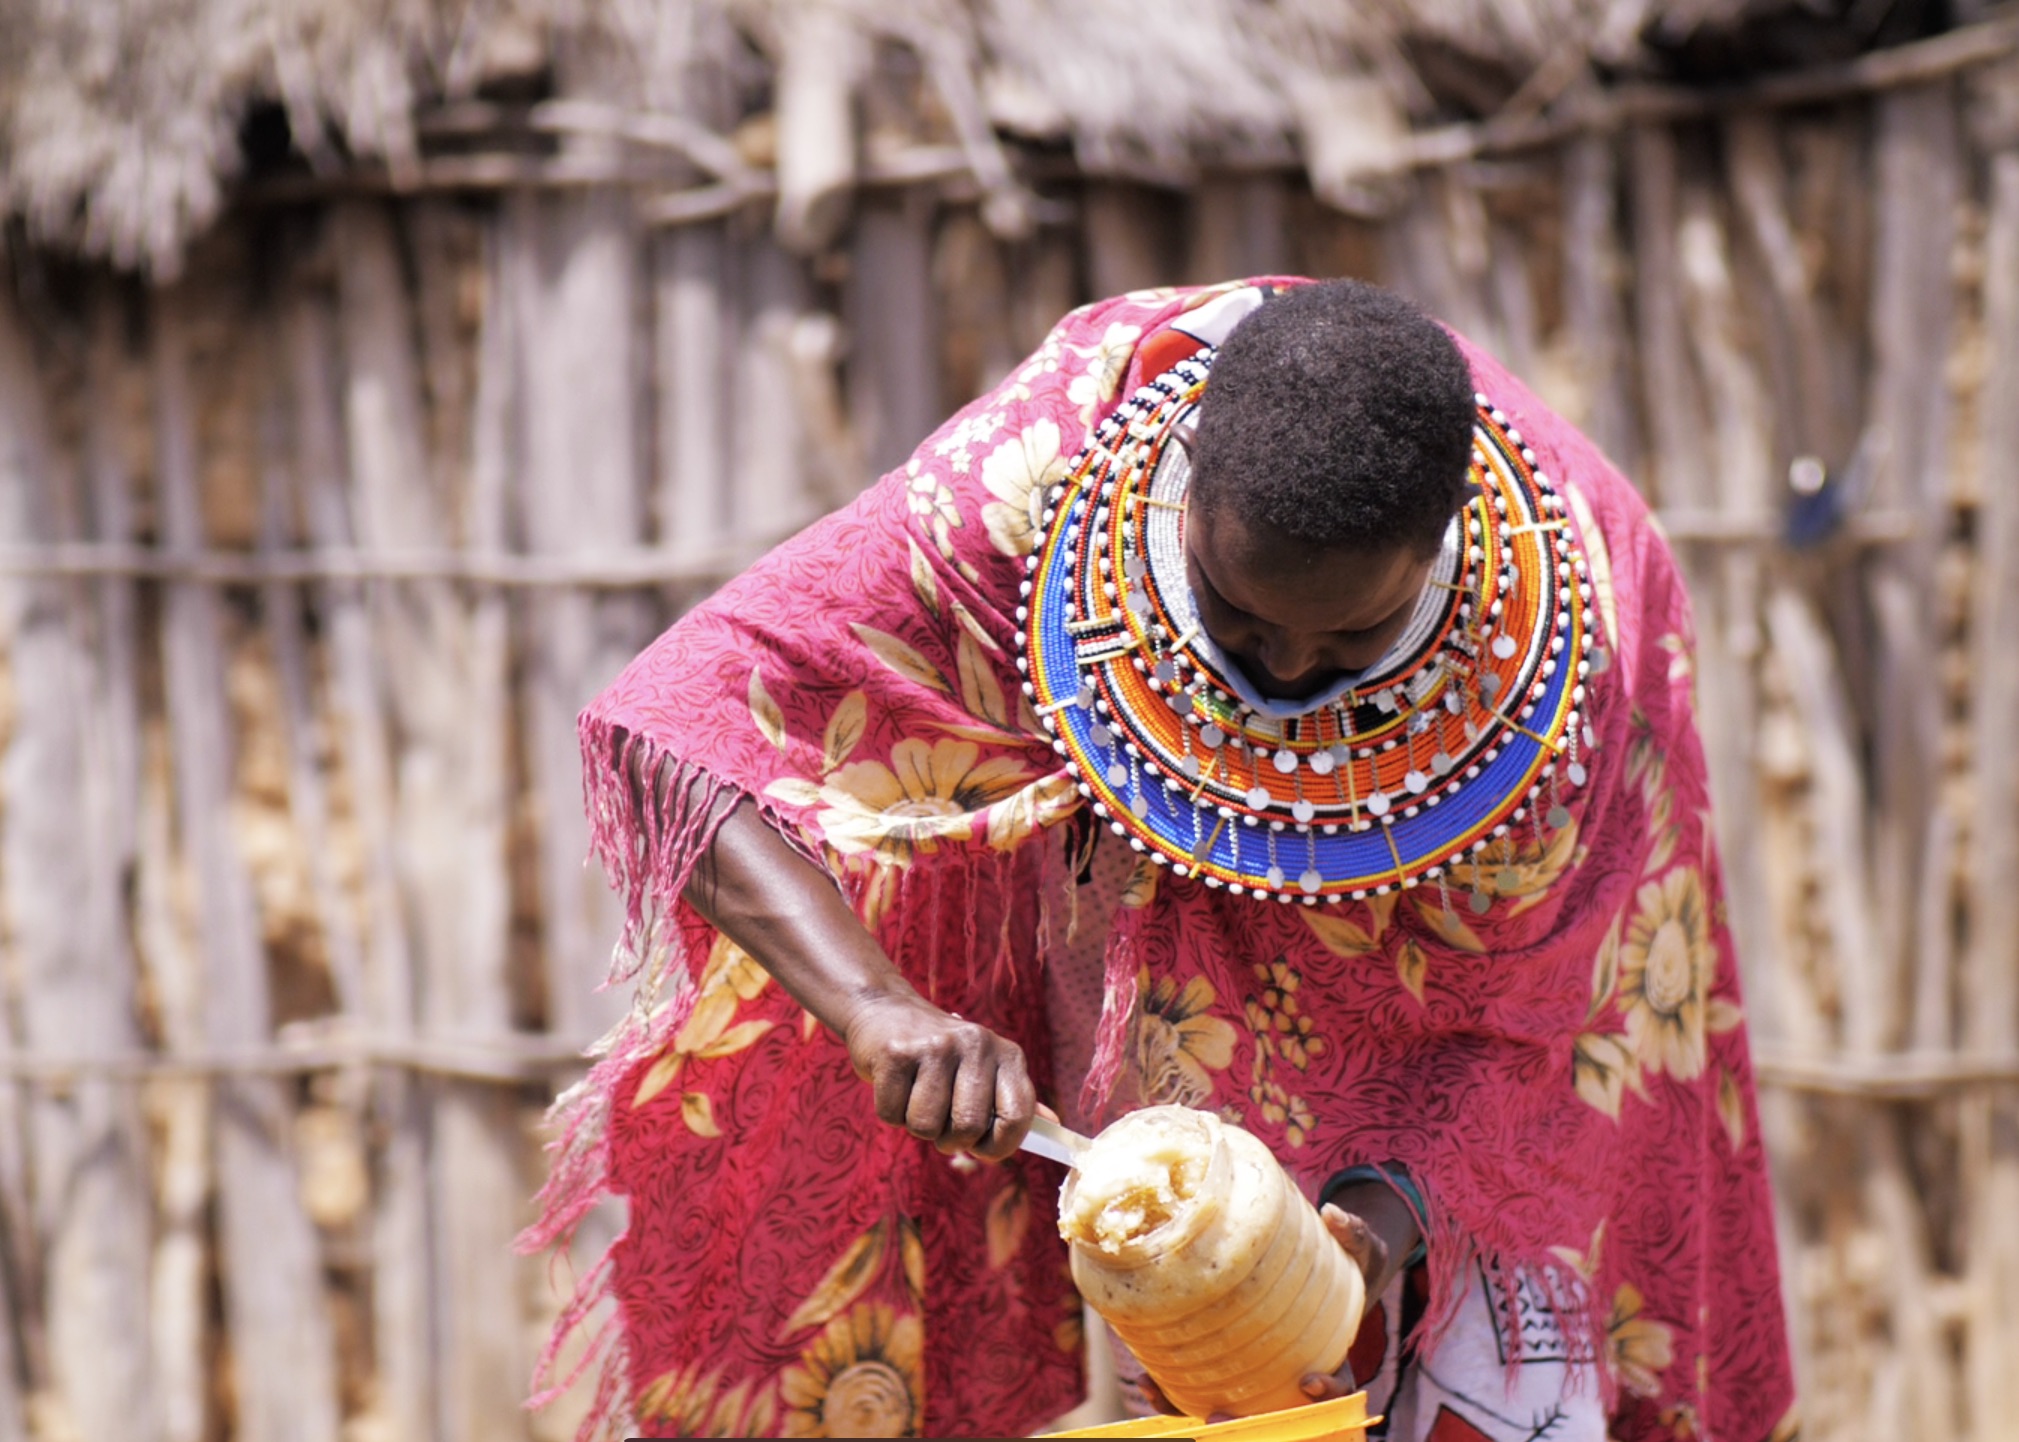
[{"x": 1343, "y": 1419}]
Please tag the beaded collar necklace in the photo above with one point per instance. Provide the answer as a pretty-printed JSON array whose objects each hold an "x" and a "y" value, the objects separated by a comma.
[{"x": 1474, "y": 732}]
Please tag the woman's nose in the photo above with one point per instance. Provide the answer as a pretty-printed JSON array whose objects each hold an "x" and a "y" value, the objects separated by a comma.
[{"x": 1287, "y": 658}]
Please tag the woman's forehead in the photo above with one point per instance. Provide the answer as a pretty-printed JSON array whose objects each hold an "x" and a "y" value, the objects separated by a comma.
[{"x": 1298, "y": 586}]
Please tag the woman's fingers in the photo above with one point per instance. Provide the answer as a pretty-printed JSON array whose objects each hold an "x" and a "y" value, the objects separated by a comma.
[
  {"x": 974, "y": 1086},
  {"x": 1320, "y": 1387},
  {"x": 1014, "y": 1102},
  {"x": 1357, "y": 1240}
]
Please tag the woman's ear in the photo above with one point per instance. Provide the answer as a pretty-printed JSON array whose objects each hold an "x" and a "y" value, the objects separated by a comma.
[{"x": 1186, "y": 435}]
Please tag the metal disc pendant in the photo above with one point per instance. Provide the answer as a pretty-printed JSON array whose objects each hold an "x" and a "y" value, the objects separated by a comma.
[
  {"x": 1575, "y": 771},
  {"x": 1202, "y": 848},
  {"x": 1167, "y": 671},
  {"x": 1257, "y": 797},
  {"x": 1118, "y": 775},
  {"x": 1211, "y": 735},
  {"x": 1139, "y": 602},
  {"x": 1141, "y": 805},
  {"x": 1558, "y": 818},
  {"x": 1135, "y": 568},
  {"x": 1490, "y": 684},
  {"x": 1377, "y": 804},
  {"x": 1274, "y": 876},
  {"x": 1101, "y": 736},
  {"x": 1303, "y": 811},
  {"x": 1085, "y": 697},
  {"x": 1182, "y": 704},
  {"x": 1311, "y": 881},
  {"x": 1503, "y": 645},
  {"x": 1417, "y": 783},
  {"x": 1286, "y": 761},
  {"x": 1322, "y": 763},
  {"x": 1480, "y": 903},
  {"x": 1442, "y": 763},
  {"x": 1190, "y": 766}
]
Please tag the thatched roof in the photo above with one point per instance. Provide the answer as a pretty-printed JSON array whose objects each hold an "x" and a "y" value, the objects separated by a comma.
[{"x": 124, "y": 123}]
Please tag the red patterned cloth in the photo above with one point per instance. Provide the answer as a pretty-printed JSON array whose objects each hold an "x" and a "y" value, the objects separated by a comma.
[{"x": 1565, "y": 1076}]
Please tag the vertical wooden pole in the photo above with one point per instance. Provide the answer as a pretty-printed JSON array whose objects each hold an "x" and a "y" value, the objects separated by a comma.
[
  {"x": 1672, "y": 396},
  {"x": 280, "y": 605},
  {"x": 112, "y": 792},
  {"x": 1592, "y": 269},
  {"x": 1918, "y": 163},
  {"x": 695, "y": 324},
  {"x": 1516, "y": 322},
  {"x": 1817, "y": 409},
  {"x": 32, "y": 628},
  {"x": 893, "y": 370},
  {"x": 971, "y": 287},
  {"x": 402, "y": 1332},
  {"x": 1990, "y": 975},
  {"x": 823, "y": 53},
  {"x": 570, "y": 269},
  {"x": 141, "y": 842},
  {"x": 769, "y": 491},
  {"x": 476, "y": 1211},
  {"x": 1238, "y": 228},
  {"x": 1740, "y": 485},
  {"x": 1045, "y": 285},
  {"x": 180, "y": 1106},
  {"x": 1131, "y": 237},
  {"x": 1435, "y": 251},
  {"x": 61, "y": 856},
  {"x": 281, "y": 1348},
  {"x": 450, "y": 851}
]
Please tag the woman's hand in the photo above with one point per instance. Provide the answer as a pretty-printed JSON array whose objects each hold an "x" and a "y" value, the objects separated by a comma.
[
  {"x": 951, "y": 1082},
  {"x": 946, "y": 1081}
]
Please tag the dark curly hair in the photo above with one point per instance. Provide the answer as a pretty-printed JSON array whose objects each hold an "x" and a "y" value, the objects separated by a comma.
[{"x": 1340, "y": 416}]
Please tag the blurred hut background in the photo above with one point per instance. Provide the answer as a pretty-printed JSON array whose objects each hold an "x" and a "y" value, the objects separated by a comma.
[{"x": 377, "y": 375}]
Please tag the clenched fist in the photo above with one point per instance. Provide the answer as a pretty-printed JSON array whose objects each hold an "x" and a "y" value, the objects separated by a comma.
[{"x": 944, "y": 1080}]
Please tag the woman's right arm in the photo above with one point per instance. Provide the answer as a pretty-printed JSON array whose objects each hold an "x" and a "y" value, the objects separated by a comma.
[{"x": 948, "y": 1081}]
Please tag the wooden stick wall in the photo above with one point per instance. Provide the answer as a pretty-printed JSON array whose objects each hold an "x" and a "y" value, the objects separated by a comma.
[{"x": 307, "y": 561}]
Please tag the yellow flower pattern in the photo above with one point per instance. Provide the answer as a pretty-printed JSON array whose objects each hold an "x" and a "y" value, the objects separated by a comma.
[
  {"x": 863, "y": 1376},
  {"x": 1281, "y": 1027},
  {"x": 1284, "y": 1036},
  {"x": 1018, "y": 473},
  {"x": 1178, "y": 1041},
  {"x": 1667, "y": 963},
  {"x": 1522, "y": 870},
  {"x": 1107, "y": 362},
  {"x": 730, "y": 978},
  {"x": 929, "y": 793},
  {"x": 1638, "y": 1348},
  {"x": 687, "y": 1402}
]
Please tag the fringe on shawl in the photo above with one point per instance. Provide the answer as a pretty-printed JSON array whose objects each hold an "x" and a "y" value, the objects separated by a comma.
[
  {"x": 1123, "y": 961},
  {"x": 1456, "y": 1256},
  {"x": 652, "y": 817}
]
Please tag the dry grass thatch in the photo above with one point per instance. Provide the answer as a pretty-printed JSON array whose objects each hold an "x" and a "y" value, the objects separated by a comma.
[{"x": 123, "y": 122}]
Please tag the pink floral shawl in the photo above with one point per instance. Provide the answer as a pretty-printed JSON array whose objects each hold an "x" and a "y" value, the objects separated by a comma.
[{"x": 1565, "y": 1076}]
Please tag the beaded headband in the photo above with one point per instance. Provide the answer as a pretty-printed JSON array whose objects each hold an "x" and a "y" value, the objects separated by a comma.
[{"x": 1473, "y": 732}]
